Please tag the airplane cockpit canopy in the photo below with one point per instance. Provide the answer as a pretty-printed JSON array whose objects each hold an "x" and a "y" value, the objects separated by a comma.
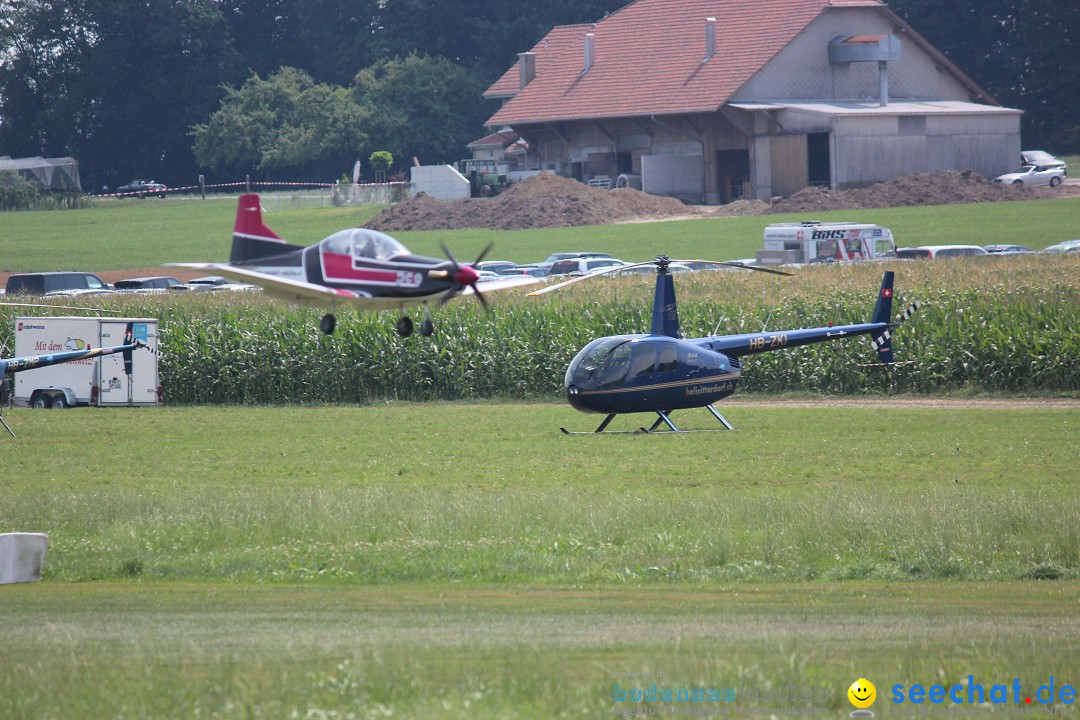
[{"x": 363, "y": 244}]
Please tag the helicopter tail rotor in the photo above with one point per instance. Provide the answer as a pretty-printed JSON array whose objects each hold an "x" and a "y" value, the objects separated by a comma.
[{"x": 882, "y": 344}]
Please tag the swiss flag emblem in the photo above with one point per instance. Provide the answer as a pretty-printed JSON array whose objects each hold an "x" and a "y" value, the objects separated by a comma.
[{"x": 886, "y": 292}]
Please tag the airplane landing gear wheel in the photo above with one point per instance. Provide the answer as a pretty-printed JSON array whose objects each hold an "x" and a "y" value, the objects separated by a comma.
[
  {"x": 328, "y": 323},
  {"x": 404, "y": 326},
  {"x": 427, "y": 328}
]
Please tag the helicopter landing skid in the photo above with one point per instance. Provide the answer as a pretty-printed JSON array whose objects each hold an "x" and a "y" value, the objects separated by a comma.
[
  {"x": 667, "y": 421},
  {"x": 662, "y": 419},
  {"x": 2, "y": 420}
]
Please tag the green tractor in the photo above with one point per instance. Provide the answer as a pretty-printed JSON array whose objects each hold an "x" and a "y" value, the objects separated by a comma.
[{"x": 484, "y": 177}]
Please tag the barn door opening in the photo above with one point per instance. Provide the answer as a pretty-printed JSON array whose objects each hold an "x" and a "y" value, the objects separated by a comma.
[
  {"x": 733, "y": 174},
  {"x": 818, "y": 166}
]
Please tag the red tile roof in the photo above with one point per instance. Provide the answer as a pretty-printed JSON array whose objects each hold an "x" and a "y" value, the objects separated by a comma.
[
  {"x": 648, "y": 59},
  {"x": 561, "y": 38},
  {"x": 500, "y": 140}
]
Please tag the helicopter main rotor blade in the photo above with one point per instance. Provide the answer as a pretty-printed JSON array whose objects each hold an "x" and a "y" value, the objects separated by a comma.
[
  {"x": 604, "y": 271},
  {"x": 740, "y": 266},
  {"x": 616, "y": 269}
]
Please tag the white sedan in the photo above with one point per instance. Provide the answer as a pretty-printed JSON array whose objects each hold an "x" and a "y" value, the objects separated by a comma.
[{"x": 1033, "y": 175}]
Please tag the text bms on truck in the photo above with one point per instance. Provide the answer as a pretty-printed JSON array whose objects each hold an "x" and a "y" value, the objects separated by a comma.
[{"x": 812, "y": 241}]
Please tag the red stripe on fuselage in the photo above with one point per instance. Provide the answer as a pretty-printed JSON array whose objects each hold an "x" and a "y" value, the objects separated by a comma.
[{"x": 340, "y": 268}]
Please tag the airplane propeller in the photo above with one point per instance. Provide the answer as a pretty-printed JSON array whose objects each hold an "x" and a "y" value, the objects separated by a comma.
[{"x": 464, "y": 276}]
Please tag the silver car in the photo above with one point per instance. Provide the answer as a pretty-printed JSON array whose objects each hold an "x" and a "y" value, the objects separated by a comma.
[{"x": 1034, "y": 176}]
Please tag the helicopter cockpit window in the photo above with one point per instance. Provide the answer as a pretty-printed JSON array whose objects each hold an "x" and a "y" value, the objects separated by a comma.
[
  {"x": 602, "y": 363},
  {"x": 643, "y": 361},
  {"x": 669, "y": 358}
]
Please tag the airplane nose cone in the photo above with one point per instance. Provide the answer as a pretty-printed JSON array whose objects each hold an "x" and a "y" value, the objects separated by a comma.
[{"x": 466, "y": 276}]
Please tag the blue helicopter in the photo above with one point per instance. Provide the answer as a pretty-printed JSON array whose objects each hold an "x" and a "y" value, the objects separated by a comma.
[
  {"x": 10, "y": 366},
  {"x": 662, "y": 372}
]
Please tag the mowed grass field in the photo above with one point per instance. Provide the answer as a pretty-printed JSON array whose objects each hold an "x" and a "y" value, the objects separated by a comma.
[
  {"x": 122, "y": 234},
  {"x": 468, "y": 560}
]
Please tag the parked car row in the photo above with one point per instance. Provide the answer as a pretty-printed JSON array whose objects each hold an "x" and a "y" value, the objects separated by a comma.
[
  {"x": 82, "y": 283},
  {"x": 935, "y": 252}
]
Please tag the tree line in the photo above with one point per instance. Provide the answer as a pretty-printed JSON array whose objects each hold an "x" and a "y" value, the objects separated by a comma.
[{"x": 300, "y": 89}]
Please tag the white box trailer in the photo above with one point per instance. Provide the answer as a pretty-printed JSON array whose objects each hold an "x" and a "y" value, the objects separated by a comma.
[
  {"x": 99, "y": 381},
  {"x": 812, "y": 241}
]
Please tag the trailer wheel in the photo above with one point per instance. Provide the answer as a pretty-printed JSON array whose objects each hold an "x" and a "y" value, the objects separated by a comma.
[
  {"x": 59, "y": 402},
  {"x": 40, "y": 401}
]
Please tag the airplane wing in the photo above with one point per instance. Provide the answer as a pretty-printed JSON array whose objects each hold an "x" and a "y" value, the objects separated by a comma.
[
  {"x": 503, "y": 284},
  {"x": 319, "y": 296},
  {"x": 295, "y": 291}
]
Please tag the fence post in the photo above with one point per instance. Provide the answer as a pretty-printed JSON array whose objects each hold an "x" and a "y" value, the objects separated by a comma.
[
  {"x": 202, "y": 186},
  {"x": 247, "y": 183}
]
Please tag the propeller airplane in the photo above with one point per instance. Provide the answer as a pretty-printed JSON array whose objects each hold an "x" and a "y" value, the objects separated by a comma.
[
  {"x": 359, "y": 267},
  {"x": 661, "y": 371},
  {"x": 10, "y": 366}
]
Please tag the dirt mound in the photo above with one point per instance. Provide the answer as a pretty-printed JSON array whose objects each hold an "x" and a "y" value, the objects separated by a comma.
[
  {"x": 548, "y": 200},
  {"x": 938, "y": 188},
  {"x": 544, "y": 200}
]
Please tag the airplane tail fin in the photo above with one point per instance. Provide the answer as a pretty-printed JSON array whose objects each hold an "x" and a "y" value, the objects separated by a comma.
[{"x": 252, "y": 239}]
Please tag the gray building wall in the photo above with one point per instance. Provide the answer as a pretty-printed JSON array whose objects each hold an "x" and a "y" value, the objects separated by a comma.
[
  {"x": 869, "y": 149},
  {"x": 802, "y": 71}
]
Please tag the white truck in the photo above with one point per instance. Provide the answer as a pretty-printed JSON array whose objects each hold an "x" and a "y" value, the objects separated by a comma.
[
  {"x": 812, "y": 241},
  {"x": 99, "y": 381}
]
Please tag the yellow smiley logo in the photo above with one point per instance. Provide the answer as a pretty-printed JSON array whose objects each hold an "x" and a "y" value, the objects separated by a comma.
[{"x": 862, "y": 693}]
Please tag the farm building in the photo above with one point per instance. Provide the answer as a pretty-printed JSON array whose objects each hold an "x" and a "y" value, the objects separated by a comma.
[{"x": 715, "y": 100}]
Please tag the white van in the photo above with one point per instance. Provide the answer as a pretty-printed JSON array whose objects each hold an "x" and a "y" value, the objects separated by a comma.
[{"x": 813, "y": 241}]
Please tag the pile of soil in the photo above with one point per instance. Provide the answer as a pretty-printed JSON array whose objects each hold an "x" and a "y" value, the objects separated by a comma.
[
  {"x": 938, "y": 188},
  {"x": 548, "y": 200},
  {"x": 544, "y": 200}
]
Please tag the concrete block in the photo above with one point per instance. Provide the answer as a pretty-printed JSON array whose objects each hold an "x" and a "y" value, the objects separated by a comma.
[
  {"x": 21, "y": 556},
  {"x": 439, "y": 181}
]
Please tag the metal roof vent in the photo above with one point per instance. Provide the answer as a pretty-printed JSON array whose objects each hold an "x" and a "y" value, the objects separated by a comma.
[
  {"x": 710, "y": 38},
  {"x": 868, "y": 48},
  {"x": 588, "y": 53}
]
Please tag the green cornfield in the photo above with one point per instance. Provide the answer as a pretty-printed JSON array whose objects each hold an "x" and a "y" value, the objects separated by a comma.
[{"x": 993, "y": 326}]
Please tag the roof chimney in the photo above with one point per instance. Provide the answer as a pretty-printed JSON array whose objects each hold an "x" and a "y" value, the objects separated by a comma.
[
  {"x": 710, "y": 38},
  {"x": 527, "y": 68},
  {"x": 588, "y": 52}
]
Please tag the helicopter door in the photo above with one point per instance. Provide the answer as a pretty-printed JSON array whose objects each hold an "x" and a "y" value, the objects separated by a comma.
[
  {"x": 642, "y": 363},
  {"x": 668, "y": 361}
]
